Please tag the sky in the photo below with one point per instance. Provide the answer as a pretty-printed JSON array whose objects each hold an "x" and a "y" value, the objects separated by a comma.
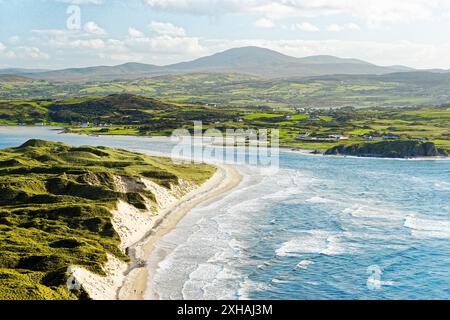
[{"x": 55, "y": 34}]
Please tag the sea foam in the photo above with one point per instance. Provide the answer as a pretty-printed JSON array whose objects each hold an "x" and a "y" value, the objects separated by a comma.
[
  {"x": 434, "y": 228},
  {"x": 316, "y": 241}
]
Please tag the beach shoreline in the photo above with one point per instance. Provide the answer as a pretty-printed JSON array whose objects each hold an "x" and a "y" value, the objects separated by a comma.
[
  {"x": 135, "y": 282},
  {"x": 284, "y": 149}
]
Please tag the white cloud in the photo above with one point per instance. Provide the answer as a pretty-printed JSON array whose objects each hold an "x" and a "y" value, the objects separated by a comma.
[
  {"x": 167, "y": 28},
  {"x": 198, "y": 7},
  {"x": 352, "y": 26},
  {"x": 23, "y": 52},
  {"x": 167, "y": 40},
  {"x": 372, "y": 12},
  {"x": 305, "y": 26},
  {"x": 31, "y": 52},
  {"x": 5, "y": 53},
  {"x": 92, "y": 28},
  {"x": 264, "y": 23},
  {"x": 90, "y": 43},
  {"x": 135, "y": 33},
  {"x": 96, "y": 2},
  {"x": 335, "y": 28},
  {"x": 87, "y": 42},
  {"x": 338, "y": 28},
  {"x": 167, "y": 43},
  {"x": 51, "y": 32},
  {"x": 164, "y": 49}
]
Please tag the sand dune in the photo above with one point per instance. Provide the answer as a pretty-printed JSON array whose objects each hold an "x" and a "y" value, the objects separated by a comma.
[{"x": 139, "y": 231}]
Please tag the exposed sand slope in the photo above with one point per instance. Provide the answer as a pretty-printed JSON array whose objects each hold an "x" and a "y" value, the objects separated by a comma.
[
  {"x": 98, "y": 287},
  {"x": 139, "y": 230},
  {"x": 225, "y": 179}
]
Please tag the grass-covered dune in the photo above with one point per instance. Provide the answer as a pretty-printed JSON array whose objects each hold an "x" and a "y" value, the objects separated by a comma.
[{"x": 55, "y": 211}]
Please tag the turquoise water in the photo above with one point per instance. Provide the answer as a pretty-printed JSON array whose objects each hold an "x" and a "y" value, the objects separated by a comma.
[{"x": 321, "y": 228}]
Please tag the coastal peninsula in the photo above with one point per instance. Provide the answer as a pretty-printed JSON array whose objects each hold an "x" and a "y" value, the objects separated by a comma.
[{"x": 78, "y": 222}]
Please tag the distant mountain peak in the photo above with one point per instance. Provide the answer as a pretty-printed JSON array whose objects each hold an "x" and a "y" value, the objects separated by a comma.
[
  {"x": 236, "y": 58},
  {"x": 253, "y": 50},
  {"x": 272, "y": 64},
  {"x": 249, "y": 60}
]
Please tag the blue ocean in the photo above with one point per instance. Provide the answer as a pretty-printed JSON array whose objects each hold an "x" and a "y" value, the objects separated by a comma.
[{"x": 320, "y": 228}]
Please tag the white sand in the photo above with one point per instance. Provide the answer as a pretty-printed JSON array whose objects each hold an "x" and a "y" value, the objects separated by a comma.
[
  {"x": 98, "y": 287},
  {"x": 140, "y": 230}
]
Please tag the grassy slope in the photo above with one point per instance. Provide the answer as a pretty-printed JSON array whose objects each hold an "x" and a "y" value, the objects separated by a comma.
[
  {"x": 55, "y": 211},
  {"x": 420, "y": 122},
  {"x": 13, "y": 112}
]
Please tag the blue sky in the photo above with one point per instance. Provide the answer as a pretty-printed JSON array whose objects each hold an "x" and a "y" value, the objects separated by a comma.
[{"x": 75, "y": 33}]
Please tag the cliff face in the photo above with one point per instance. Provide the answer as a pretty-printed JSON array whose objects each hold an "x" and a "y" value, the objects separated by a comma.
[{"x": 389, "y": 149}]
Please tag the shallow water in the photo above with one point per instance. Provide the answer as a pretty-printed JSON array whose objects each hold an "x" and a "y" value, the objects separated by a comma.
[{"x": 340, "y": 228}]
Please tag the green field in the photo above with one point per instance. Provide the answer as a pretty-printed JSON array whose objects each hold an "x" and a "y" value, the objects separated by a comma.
[
  {"x": 309, "y": 128},
  {"x": 234, "y": 90},
  {"x": 424, "y": 124}
]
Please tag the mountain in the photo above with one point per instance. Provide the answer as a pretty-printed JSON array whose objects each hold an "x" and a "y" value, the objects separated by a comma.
[
  {"x": 246, "y": 57},
  {"x": 21, "y": 71},
  {"x": 402, "y": 68},
  {"x": 102, "y": 73},
  {"x": 11, "y": 78},
  {"x": 272, "y": 64},
  {"x": 256, "y": 61}
]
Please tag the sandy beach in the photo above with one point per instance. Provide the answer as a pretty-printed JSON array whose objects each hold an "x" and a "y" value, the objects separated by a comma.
[{"x": 136, "y": 277}]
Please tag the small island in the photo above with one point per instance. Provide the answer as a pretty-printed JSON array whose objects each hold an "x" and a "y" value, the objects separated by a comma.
[{"x": 390, "y": 149}]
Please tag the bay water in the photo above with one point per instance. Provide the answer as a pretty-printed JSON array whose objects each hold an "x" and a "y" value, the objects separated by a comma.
[{"x": 320, "y": 228}]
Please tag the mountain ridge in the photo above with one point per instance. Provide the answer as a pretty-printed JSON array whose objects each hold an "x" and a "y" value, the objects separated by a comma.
[{"x": 250, "y": 60}]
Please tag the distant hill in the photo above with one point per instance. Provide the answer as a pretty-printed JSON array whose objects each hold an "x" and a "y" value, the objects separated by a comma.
[
  {"x": 116, "y": 108},
  {"x": 247, "y": 57},
  {"x": 126, "y": 71},
  {"x": 14, "y": 78},
  {"x": 21, "y": 71},
  {"x": 247, "y": 60},
  {"x": 272, "y": 64},
  {"x": 326, "y": 59}
]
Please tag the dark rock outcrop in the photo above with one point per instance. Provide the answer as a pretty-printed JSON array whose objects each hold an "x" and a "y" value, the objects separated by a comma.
[{"x": 389, "y": 149}]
